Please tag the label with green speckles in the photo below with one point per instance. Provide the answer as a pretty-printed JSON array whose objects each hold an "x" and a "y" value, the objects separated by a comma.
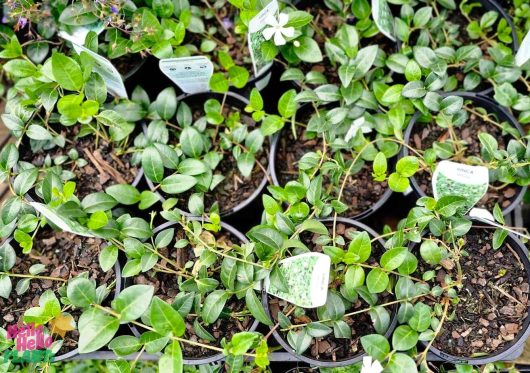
[
  {"x": 306, "y": 278},
  {"x": 456, "y": 179},
  {"x": 383, "y": 18}
]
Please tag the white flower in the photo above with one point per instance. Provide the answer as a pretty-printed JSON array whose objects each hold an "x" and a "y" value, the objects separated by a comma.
[
  {"x": 371, "y": 367},
  {"x": 276, "y": 28}
]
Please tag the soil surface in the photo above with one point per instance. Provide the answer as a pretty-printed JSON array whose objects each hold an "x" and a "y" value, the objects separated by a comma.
[
  {"x": 64, "y": 255},
  {"x": 329, "y": 348},
  {"x": 104, "y": 167},
  {"x": 235, "y": 188},
  {"x": 127, "y": 63},
  {"x": 361, "y": 191},
  {"x": 493, "y": 301},
  {"x": 167, "y": 287},
  {"x": 423, "y": 137}
]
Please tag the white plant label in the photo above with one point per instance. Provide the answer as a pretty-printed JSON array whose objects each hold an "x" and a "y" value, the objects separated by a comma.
[
  {"x": 358, "y": 124},
  {"x": 523, "y": 54},
  {"x": 306, "y": 277},
  {"x": 191, "y": 74},
  {"x": 456, "y": 179},
  {"x": 66, "y": 225},
  {"x": 78, "y": 33},
  {"x": 256, "y": 38},
  {"x": 383, "y": 18},
  {"x": 102, "y": 66}
]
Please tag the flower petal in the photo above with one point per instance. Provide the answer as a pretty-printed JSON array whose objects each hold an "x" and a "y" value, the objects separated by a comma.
[
  {"x": 268, "y": 32},
  {"x": 288, "y": 31},
  {"x": 283, "y": 19},
  {"x": 278, "y": 38},
  {"x": 271, "y": 20}
]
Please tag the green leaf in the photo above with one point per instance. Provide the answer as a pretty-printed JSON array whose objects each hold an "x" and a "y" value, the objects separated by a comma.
[
  {"x": 400, "y": 363},
  {"x": 152, "y": 164},
  {"x": 354, "y": 277},
  {"x": 398, "y": 183},
  {"x": 176, "y": 184},
  {"x": 415, "y": 89},
  {"x": 213, "y": 305},
  {"x": 165, "y": 318},
  {"x": 256, "y": 308},
  {"x": 404, "y": 338},
  {"x": 421, "y": 319},
  {"x": 97, "y": 220},
  {"x": 166, "y": 103},
  {"x": 361, "y": 247},
  {"x": 108, "y": 257},
  {"x": 81, "y": 292},
  {"x": 132, "y": 302},
  {"x": 124, "y": 345},
  {"x": 431, "y": 252},
  {"x": 67, "y": 72},
  {"x": 171, "y": 361},
  {"x": 78, "y": 14},
  {"x": 124, "y": 193},
  {"x": 96, "y": 329},
  {"x": 376, "y": 346},
  {"x": 377, "y": 281},
  {"x": 287, "y": 104},
  {"x": 407, "y": 166},
  {"x": 393, "y": 258},
  {"x": 308, "y": 50},
  {"x": 448, "y": 205},
  {"x": 191, "y": 142},
  {"x": 5, "y": 286}
]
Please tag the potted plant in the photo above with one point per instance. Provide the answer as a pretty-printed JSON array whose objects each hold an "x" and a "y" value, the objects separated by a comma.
[
  {"x": 470, "y": 130},
  {"x": 358, "y": 302},
  {"x": 203, "y": 152},
  {"x": 72, "y": 133},
  {"x": 468, "y": 47}
]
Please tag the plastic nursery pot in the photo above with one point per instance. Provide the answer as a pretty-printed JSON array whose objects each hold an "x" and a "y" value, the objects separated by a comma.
[
  {"x": 493, "y": 5},
  {"x": 513, "y": 350},
  {"x": 117, "y": 290},
  {"x": 326, "y": 363},
  {"x": 491, "y": 107},
  {"x": 244, "y": 208},
  {"x": 218, "y": 356},
  {"x": 275, "y": 147}
]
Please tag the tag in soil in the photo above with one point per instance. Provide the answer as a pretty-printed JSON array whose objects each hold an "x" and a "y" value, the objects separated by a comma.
[
  {"x": 486, "y": 217},
  {"x": 102, "y": 66},
  {"x": 306, "y": 277},
  {"x": 78, "y": 33},
  {"x": 456, "y": 179},
  {"x": 66, "y": 225},
  {"x": 384, "y": 20},
  {"x": 256, "y": 38},
  {"x": 523, "y": 54},
  {"x": 191, "y": 74}
]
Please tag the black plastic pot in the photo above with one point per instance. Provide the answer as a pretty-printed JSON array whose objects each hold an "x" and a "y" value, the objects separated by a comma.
[
  {"x": 513, "y": 350},
  {"x": 117, "y": 290},
  {"x": 127, "y": 282},
  {"x": 495, "y": 6},
  {"x": 340, "y": 363},
  {"x": 274, "y": 176},
  {"x": 244, "y": 207},
  {"x": 490, "y": 106}
]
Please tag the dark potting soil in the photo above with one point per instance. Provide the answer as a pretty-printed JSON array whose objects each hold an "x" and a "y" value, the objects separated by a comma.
[
  {"x": 235, "y": 188},
  {"x": 329, "y": 348},
  {"x": 64, "y": 255},
  {"x": 104, "y": 167},
  {"x": 361, "y": 191},
  {"x": 167, "y": 287},
  {"x": 127, "y": 63},
  {"x": 493, "y": 300},
  {"x": 424, "y": 135}
]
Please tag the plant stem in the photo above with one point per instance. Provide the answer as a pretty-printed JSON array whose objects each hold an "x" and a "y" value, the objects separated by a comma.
[{"x": 33, "y": 276}]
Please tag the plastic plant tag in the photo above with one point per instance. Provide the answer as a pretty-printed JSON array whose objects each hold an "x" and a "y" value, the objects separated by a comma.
[
  {"x": 102, "y": 66},
  {"x": 191, "y": 74},
  {"x": 523, "y": 54},
  {"x": 456, "y": 179},
  {"x": 384, "y": 20},
  {"x": 78, "y": 33},
  {"x": 486, "y": 217},
  {"x": 66, "y": 225},
  {"x": 358, "y": 124},
  {"x": 256, "y": 38},
  {"x": 306, "y": 277}
]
